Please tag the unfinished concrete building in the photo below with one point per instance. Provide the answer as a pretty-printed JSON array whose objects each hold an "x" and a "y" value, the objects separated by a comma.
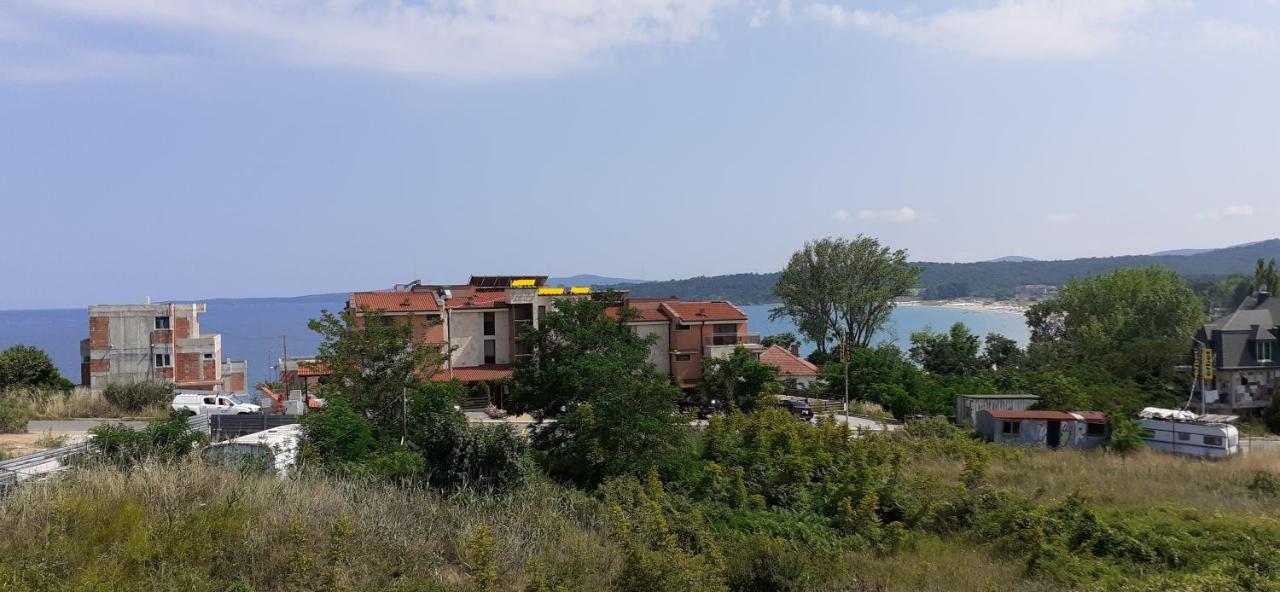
[{"x": 140, "y": 342}]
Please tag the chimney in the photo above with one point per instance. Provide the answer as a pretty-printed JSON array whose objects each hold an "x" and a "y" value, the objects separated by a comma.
[{"x": 795, "y": 349}]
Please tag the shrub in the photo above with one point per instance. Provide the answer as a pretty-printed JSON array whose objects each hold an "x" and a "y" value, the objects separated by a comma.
[
  {"x": 26, "y": 366},
  {"x": 336, "y": 433},
  {"x": 768, "y": 564},
  {"x": 13, "y": 418},
  {"x": 167, "y": 439},
  {"x": 1265, "y": 483},
  {"x": 136, "y": 396},
  {"x": 1126, "y": 434}
]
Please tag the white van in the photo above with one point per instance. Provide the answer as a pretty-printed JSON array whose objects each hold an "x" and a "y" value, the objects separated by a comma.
[
  {"x": 204, "y": 404},
  {"x": 275, "y": 450}
]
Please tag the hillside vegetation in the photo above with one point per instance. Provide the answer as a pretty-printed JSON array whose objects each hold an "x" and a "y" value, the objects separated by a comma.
[{"x": 988, "y": 279}]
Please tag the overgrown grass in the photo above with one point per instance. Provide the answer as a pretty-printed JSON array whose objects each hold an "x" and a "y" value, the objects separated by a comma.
[
  {"x": 194, "y": 527},
  {"x": 47, "y": 403},
  {"x": 1132, "y": 482}
]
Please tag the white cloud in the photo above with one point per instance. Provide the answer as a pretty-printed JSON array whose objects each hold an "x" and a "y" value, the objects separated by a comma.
[
  {"x": 467, "y": 39},
  {"x": 759, "y": 18},
  {"x": 1009, "y": 29},
  {"x": 841, "y": 215},
  {"x": 784, "y": 10},
  {"x": 1218, "y": 33},
  {"x": 1231, "y": 211},
  {"x": 904, "y": 214},
  {"x": 1062, "y": 217}
]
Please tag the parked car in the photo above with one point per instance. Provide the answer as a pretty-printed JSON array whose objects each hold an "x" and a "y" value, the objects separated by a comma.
[
  {"x": 201, "y": 404},
  {"x": 798, "y": 408}
]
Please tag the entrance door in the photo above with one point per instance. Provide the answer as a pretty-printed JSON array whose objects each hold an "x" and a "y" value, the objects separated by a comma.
[{"x": 1054, "y": 436}]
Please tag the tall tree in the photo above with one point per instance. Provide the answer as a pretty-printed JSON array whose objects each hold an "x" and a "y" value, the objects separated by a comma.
[
  {"x": 953, "y": 352},
  {"x": 1123, "y": 316},
  {"x": 580, "y": 350},
  {"x": 740, "y": 380},
  {"x": 1001, "y": 352},
  {"x": 373, "y": 360},
  {"x": 835, "y": 288},
  {"x": 1265, "y": 276}
]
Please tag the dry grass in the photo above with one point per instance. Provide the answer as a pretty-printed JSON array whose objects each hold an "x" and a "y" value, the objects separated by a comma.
[
  {"x": 113, "y": 527},
  {"x": 1130, "y": 482},
  {"x": 78, "y": 402}
]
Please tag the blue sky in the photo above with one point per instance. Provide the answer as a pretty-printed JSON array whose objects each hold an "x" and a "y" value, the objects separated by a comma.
[{"x": 184, "y": 149}]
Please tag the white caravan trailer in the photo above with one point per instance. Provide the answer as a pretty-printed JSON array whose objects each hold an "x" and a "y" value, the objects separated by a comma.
[{"x": 1184, "y": 432}]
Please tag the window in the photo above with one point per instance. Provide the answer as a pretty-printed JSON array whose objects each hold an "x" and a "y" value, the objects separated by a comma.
[
  {"x": 490, "y": 323},
  {"x": 210, "y": 401},
  {"x": 208, "y": 356},
  {"x": 542, "y": 310},
  {"x": 1184, "y": 437},
  {"x": 682, "y": 327},
  {"x": 1012, "y": 428},
  {"x": 1262, "y": 350},
  {"x": 683, "y": 357},
  {"x": 163, "y": 361},
  {"x": 1095, "y": 429},
  {"x": 433, "y": 317},
  {"x": 490, "y": 351},
  {"x": 162, "y": 322},
  {"x": 1213, "y": 440}
]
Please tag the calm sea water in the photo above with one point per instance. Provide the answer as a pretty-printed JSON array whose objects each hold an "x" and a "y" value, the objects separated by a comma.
[{"x": 255, "y": 329}]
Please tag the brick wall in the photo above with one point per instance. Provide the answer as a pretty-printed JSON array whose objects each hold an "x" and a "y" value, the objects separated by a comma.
[{"x": 99, "y": 333}]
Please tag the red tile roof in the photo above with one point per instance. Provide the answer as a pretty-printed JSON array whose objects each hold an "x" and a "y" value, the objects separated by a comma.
[
  {"x": 312, "y": 369},
  {"x": 715, "y": 310},
  {"x": 1060, "y": 415},
  {"x": 645, "y": 311},
  {"x": 395, "y": 301},
  {"x": 473, "y": 373},
  {"x": 786, "y": 362},
  {"x": 496, "y": 299}
]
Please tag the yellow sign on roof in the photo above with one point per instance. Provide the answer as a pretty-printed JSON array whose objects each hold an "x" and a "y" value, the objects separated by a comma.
[
  {"x": 550, "y": 291},
  {"x": 580, "y": 290},
  {"x": 524, "y": 283}
]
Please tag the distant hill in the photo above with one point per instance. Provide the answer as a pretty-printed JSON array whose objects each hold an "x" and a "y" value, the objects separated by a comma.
[
  {"x": 988, "y": 278},
  {"x": 587, "y": 279},
  {"x": 1012, "y": 259}
]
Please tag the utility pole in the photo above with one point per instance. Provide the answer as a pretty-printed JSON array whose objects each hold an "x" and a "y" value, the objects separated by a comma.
[{"x": 844, "y": 357}]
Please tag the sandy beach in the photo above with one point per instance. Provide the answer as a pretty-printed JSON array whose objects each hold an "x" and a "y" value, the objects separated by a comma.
[{"x": 1008, "y": 306}]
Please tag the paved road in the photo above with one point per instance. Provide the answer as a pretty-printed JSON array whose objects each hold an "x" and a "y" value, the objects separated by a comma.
[
  {"x": 75, "y": 426},
  {"x": 865, "y": 423}
]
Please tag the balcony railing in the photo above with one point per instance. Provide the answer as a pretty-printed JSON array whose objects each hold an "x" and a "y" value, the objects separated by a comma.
[{"x": 731, "y": 339}]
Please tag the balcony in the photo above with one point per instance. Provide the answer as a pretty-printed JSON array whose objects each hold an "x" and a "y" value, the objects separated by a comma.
[{"x": 721, "y": 346}]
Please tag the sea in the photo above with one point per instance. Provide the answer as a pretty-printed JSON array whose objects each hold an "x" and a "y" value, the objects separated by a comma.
[{"x": 260, "y": 330}]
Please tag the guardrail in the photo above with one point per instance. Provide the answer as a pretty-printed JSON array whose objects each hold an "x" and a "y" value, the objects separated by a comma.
[
  {"x": 38, "y": 464},
  {"x": 731, "y": 339}
]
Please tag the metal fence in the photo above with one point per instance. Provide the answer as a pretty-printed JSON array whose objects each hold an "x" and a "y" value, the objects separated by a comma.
[
  {"x": 225, "y": 427},
  {"x": 38, "y": 464}
]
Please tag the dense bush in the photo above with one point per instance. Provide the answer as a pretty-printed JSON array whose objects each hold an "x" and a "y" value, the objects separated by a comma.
[
  {"x": 136, "y": 396},
  {"x": 13, "y": 417},
  {"x": 167, "y": 439},
  {"x": 336, "y": 433},
  {"x": 26, "y": 366}
]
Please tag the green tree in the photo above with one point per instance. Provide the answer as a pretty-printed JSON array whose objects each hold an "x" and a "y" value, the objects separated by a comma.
[
  {"x": 835, "y": 287},
  {"x": 740, "y": 380},
  {"x": 27, "y": 366},
  {"x": 374, "y": 360},
  {"x": 1265, "y": 276},
  {"x": 581, "y": 350},
  {"x": 1116, "y": 317},
  {"x": 1001, "y": 352},
  {"x": 627, "y": 431},
  {"x": 337, "y": 433},
  {"x": 953, "y": 352},
  {"x": 786, "y": 340}
]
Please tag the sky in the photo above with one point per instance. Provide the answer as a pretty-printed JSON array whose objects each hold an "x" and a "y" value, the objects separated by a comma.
[{"x": 185, "y": 149}]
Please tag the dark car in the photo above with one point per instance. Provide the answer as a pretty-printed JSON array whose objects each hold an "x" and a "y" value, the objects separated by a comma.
[
  {"x": 703, "y": 408},
  {"x": 798, "y": 408}
]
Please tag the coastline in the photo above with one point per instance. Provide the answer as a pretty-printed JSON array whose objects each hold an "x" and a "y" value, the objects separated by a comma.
[{"x": 983, "y": 304}]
